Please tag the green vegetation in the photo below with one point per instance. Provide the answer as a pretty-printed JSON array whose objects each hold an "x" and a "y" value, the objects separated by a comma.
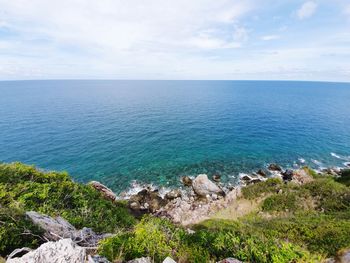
[
  {"x": 306, "y": 223},
  {"x": 344, "y": 177},
  {"x": 25, "y": 188}
]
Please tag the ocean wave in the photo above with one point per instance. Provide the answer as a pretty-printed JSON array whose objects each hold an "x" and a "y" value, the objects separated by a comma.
[
  {"x": 341, "y": 157},
  {"x": 318, "y": 163}
]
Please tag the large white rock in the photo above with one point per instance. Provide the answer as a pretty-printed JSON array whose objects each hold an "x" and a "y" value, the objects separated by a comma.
[
  {"x": 140, "y": 260},
  {"x": 169, "y": 260},
  {"x": 62, "y": 251},
  {"x": 202, "y": 186}
]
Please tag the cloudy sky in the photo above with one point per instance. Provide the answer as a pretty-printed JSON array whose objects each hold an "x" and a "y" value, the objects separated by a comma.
[{"x": 175, "y": 39}]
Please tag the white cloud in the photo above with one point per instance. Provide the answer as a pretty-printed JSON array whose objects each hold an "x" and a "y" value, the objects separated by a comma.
[
  {"x": 270, "y": 37},
  {"x": 347, "y": 10},
  {"x": 307, "y": 10}
]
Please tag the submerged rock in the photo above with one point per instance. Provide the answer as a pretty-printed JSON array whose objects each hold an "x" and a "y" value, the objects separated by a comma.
[
  {"x": 202, "y": 186},
  {"x": 58, "y": 228},
  {"x": 186, "y": 180},
  {"x": 64, "y": 250},
  {"x": 274, "y": 167},
  {"x": 104, "y": 190},
  {"x": 216, "y": 177},
  {"x": 261, "y": 172}
]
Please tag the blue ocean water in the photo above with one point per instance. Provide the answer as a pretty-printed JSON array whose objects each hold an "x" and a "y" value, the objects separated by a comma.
[{"x": 156, "y": 131}]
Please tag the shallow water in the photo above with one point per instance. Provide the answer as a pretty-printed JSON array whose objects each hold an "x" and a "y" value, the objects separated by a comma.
[{"x": 156, "y": 131}]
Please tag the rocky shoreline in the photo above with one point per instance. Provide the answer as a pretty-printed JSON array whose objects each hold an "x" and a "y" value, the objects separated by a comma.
[
  {"x": 197, "y": 200},
  {"x": 201, "y": 197}
]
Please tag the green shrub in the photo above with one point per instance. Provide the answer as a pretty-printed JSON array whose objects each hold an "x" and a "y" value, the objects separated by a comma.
[
  {"x": 271, "y": 185},
  {"x": 56, "y": 194},
  {"x": 224, "y": 238},
  {"x": 330, "y": 195},
  {"x": 16, "y": 231},
  {"x": 344, "y": 177},
  {"x": 282, "y": 202}
]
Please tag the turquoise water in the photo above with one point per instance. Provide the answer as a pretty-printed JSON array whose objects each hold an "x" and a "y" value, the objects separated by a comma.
[{"x": 156, "y": 131}]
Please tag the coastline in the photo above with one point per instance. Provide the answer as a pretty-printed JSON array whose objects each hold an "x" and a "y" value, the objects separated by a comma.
[{"x": 203, "y": 204}]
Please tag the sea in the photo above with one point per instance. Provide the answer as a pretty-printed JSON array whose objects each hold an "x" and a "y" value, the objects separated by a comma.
[{"x": 124, "y": 131}]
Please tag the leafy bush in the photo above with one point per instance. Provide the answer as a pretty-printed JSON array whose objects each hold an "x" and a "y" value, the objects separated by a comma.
[
  {"x": 16, "y": 231},
  {"x": 152, "y": 237},
  {"x": 330, "y": 195},
  {"x": 212, "y": 241},
  {"x": 282, "y": 202},
  {"x": 271, "y": 185},
  {"x": 225, "y": 238},
  {"x": 322, "y": 234},
  {"x": 26, "y": 188},
  {"x": 344, "y": 177},
  {"x": 55, "y": 194}
]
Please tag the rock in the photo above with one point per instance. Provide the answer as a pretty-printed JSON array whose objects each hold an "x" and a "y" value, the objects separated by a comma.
[
  {"x": 104, "y": 190},
  {"x": 140, "y": 260},
  {"x": 58, "y": 228},
  {"x": 255, "y": 180},
  {"x": 217, "y": 178},
  {"x": 135, "y": 205},
  {"x": 343, "y": 256},
  {"x": 146, "y": 201},
  {"x": 261, "y": 172},
  {"x": 202, "y": 186},
  {"x": 173, "y": 194},
  {"x": 246, "y": 178},
  {"x": 64, "y": 250},
  {"x": 274, "y": 167},
  {"x": 97, "y": 259},
  {"x": 332, "y": 171},
  {"x": 169, "y": 260},
  {"x": 287, "y": 175},
  {"x": 230, "y": 260},
  {"x": 186, "y": 180},
  {"x": 300, "y": 176}
]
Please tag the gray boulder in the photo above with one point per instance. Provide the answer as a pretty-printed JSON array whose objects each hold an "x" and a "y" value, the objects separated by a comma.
[
  {"x": 140, "y": 260},
  {"x": 230, "y": 260},
  {"x": 97, "y": 259},
  {"x": 58, "y": 228},
  {"x": 64, "y": 250},
  {"x": 202, "y": 186}
]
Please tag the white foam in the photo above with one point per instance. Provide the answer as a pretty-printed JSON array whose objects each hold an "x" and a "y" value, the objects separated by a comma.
[
  {"x": 347, "y": 164},
  {"x": 346, "y": 158},
  {"x": 242, "y": 175},
  {"x": 301, "y": 160},
  {"x": 316, "y": 162},
  {"x": 336, "y": 155}
]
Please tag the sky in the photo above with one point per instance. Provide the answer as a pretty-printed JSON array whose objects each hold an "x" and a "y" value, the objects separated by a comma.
[{"x": 175, "y": 39}]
